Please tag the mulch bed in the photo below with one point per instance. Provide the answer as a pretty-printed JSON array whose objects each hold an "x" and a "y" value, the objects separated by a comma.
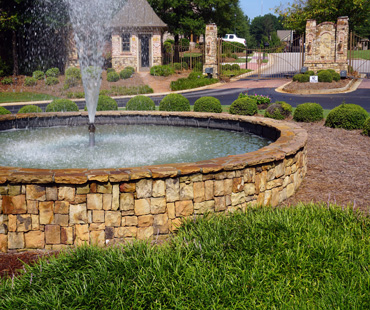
[{"x": 296, "y": 86}]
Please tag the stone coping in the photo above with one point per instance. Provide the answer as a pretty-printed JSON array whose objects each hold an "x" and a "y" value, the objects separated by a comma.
[{"x": 289, "y": 138}]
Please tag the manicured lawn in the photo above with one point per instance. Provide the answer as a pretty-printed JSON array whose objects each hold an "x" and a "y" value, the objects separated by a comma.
[
  {"x": 360, "y": 54},
  {"x": 23, "y": 97},
  {"x": 305, "y": 257}
]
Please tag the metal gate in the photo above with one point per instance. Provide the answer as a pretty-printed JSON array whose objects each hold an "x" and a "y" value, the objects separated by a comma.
[
  {"x": 278, "y": 62},
  {"x": 359, "y": 56}
]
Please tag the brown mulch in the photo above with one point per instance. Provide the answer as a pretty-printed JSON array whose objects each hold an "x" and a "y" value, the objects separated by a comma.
[{"x": 296, "y": 86}]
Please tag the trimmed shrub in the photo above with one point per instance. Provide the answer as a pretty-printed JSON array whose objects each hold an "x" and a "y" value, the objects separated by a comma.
[
  {"x": 348, "y": 116},
  {"x": 30, "y": 109},
  {"x": 51, "y": 81},
  {"x": 177, "y": 66},
  {"x": 61, "y": 105},
  {"x": 301, "y": 78},
  {"x": 140, "y": 103},
  {"x": 208, "y": 104},
  {"x": 109, "y": 70},
  {"x": 262, "y": 101},
  {"x": 325, "y": 76},
  {"x": 235, "y": 67},
  {"x": 244, "y": 106},
  {"x": 132, "y": 69},
  {"x": 4, "y": 111},
  {"x": 106, "y": 103},
  {"x": 73, "y": 77},
  {"x": 336, "y": 76},
  {"x": 185, "y": 65},
  {"x": 38, "y": 75},
  {"x": 113, "y": 77},
  {"x": 165, "y": 70},
  {"x": 7, "y": 81},
  {"x": 308, "y": 112},
  {"x": 309, "y": 73},
  {"x": 30, "y": 81},
  {"x": 174, "y": 102},
  {"x": 195, "y": 75},
  {"x": 125, "y": 74},
  {"x": 53, "y": 72},
  {"x": 75, "y": 72},
  {"x": 227, "y": 67},
  {"x": 77, "y": 94},
  {"x": 366, "y": 128},
  {"x": 279, "y": 110}
]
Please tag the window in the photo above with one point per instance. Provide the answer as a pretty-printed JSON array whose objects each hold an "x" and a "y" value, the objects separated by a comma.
[{"x": 125, "y": 42}]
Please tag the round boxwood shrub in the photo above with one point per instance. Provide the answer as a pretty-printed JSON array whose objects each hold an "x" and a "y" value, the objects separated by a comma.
[
  {"x": 174, "y": 102},
  {"x": 185, "y": 65},
  {"x": 30, "y": 81},
  {"x": 235, "y": 67},
  {"x": 4, "y": 111},
  {"x": 227, "y": 67},
  {"x": 51, "y": 81},
  {"x": 132, "y": 69},
  {"x": 106, "y": 103},
  {"x": 301, "y": 78},
  {"x": 347, "y": 116},
  {"x": 366, "y": 128},
  {"x": 109, "y": 70},
  {"x": 53, "y": 72},
  {"x": 310, "y": 72},
  {"x": 38, "y": 75},
  {"x": 325, "y": 76},
  {"x": 336, "y": 76},
  {"x": 29, "y": 109},
  {"x": 308, "y": 112},
  {"x": 208, "y": 104},
  {"x": 279, "y": 110},
  {"x": 244, "y": 106},
  {"x": 177, "y": 66},
  {"x": 7, "y": 81},
  {"x": 61, "y": 105},
  {"x": 75, "y": 72},
  {"x": 195, "y": 75},
  {"x": 113, "y": 77},
  {"x": 165, "y": 70},
  {"x": 140, "y": 103},
  {"x": 125, "y": 74}
]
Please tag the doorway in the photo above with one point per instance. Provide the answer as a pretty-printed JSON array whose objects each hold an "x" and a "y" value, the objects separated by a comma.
[{"x": 144, "y": 54}]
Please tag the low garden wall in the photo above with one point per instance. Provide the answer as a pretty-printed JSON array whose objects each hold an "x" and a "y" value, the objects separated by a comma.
[{"x": 55, "y": 209}]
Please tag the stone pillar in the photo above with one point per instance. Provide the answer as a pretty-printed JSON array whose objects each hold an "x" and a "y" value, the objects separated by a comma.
[
  {"x": 211, "y": 49},
  {"x": 342, "y": 40}
]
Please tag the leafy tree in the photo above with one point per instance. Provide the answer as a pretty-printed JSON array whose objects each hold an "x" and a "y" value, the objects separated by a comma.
[
  {"x": 296, "y": 15},
  {"x": 263, "y": 29}
]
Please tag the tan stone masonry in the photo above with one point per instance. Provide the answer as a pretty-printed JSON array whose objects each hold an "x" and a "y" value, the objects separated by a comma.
[{"x": 56, "y": 209}]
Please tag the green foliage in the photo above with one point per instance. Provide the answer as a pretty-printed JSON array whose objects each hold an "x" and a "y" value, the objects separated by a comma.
[
  {"x": 336, "y": 76},
  {"x": 113, "y": 77},
  {"x": 75, "y": 72},
  {"x": 106, "y": 103},
  {"x": 30, "y": 109},
  {"x": 177, "y": 66},
  {"x": 244, "y": 106},
  {"x": 140, "y": 103},
  {"x": 184, "y": 65},
  {"x": 366, "y": 128},
  {"x": 23, "y": 96},
  {"x": 208, "y": 104},
  {"x": 348, "y": 116},
  {"x": 7, "y": 81},
  {"x": 132, "y": 69},
  {"x": 308, "y": 112},
  {"x": 192, "y": 82},
  {"x": 174, "y": 102},
  {"x": 125, "y": 74},
  {"x": 232, "y": 47},
  {"x": 235, "y": 67},
  {"x": 184, "y": 43},
  {"x": 38, "y": 75},
  {"x": 325, "y": 76},
  {"x": 72, "y": 77},
  {"x": 260, "y": 99},
  {"x": 279, "y": 110},
  {"x": 226, "y": 67},
  {"x": 310, "y": 73},
  {"x": 4, "y": 111},
  {"x": 301, "y": 78},
  {"x": 109, "y": 70},
  {"x": 160, "y": 70},
  {"x": 168, "y": 46},
  {"x": 53, "y": 72},
  {"x": 51, "y": 81},
  {"x": 198, "y": 67},
  {"x": 195, "y": 75},
  {"x": 77, "y": 95},
  {"x": 61, "y": 105},
  {"x": 30, "y": 81}
]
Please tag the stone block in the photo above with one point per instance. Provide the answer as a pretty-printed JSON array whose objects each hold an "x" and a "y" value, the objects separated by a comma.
[
  {"x": 83, "y": 190},
  {"x": 104, "y": 188},
  {"x": 12, "y": 222},
  {"x": 14, "y": 204},
  {"x": 35, "y": 240},
  {"x": 220, "y": 203},
  {"x": 172, "y": 190},
  {"x": 113, "y": 218},
  {"x": 80, "y": 199},
  {"x": 82, "y": 234},
  {"x": 220, "y": 176},
  {"x": 98, "y": 216},
  {"x": 204, "y": 207},
  {"x": 249, "y": 175},
  {"x": 35, "y": 222},
  {"x": 279, "y": 170},
  {"x": 238, "y": 185},
  {"x": 159, "y": 188},
  {"x": 144, "y": 188},
  {"x": 249, "y": 189},
  {"x": 61, "y": 207},
  {"x": 52, "y": 234},
  {"x": 32, "y": 207},
  {"x": 186, "y": 191},
  {"x": 228, "y": 200},
  {"x": 274, "y": 183},
  {"x": 4, "y": 190},
  {"x": 267, "y": 198},
  {"x": 107, "y": 202},
  {"x": 171, "y": 210},
  {"x": 219, "y": 189},
  {"x": 184, "y": 208},
  {"x": 228, "y": 186},
  {"x": 209, "y": 194},
  {"x": 144, "y": 233},
  {"x": 78, "y": 214},
  {"x": 46, "y": 212},
  {"x": 145, "y": 220},
  {"x": 130, "y": 220},
  {"x": 66, "y": 193},
  {"x": 3, "y": 243},
  {"x": 97, "y": 226},
  {"x": 127, "y": 202},
  {"x": 125, "y": 232},
  {"x": 94, "y": 201},
  {"x": 290, "y": 190},
  {"x": 61, "y": 219},
  {"x": 175, "y": 224},
  {"x": 158, "y": 205},
  {"x": 142, "y": 206},
  {"x": 261, "y": 181},
  {"x": 199, "y": 192},
  {"x": 97, "y": 237},
  {"x": 15, "y": 240},
  {"x": 14, "y": 190},
  {"x": 275, "y": 196},
  {"x": 127, "y": 187},
  {"x": 24, "y": 223},
  {"x": 237, "y": 198},
  {"x": 3, "y": 229},
  {"x": 51, "y": 193},
  {"x": 160, "y": 224},
  {"x": 115, "y": 198}
]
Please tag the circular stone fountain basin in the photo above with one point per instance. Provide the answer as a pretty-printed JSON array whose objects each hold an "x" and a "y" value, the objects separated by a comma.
[{"x": 59, "y": 208}]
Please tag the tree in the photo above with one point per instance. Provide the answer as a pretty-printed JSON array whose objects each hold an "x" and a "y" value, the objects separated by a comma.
[
  {"x": 263, "y": 29},
  {"x": 296, "y": 15}
]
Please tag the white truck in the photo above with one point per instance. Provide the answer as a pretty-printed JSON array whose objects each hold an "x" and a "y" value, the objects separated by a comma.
[{"x": 233, "y": 38}]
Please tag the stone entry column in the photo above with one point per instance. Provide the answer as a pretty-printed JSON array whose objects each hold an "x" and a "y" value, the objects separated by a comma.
[{"x": 211, "y": 49}]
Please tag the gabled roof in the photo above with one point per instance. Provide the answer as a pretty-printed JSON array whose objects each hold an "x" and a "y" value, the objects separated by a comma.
[
  {"x": 137, "y": 13},
  {"x": 285, "y": 35}
]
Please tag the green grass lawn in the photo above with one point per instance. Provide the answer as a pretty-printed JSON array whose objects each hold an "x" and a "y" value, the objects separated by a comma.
[
  {"x": 359, "y": 54},
  {"x": 23, "y": 97},
  {"x": 305, "y": 257}
]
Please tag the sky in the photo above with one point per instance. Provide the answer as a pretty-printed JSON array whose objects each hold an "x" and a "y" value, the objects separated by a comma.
[{"x": 260, "y": 7}]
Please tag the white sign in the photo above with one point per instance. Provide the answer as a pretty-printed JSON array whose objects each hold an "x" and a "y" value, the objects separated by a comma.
[{"x": 314, "y": 79}]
